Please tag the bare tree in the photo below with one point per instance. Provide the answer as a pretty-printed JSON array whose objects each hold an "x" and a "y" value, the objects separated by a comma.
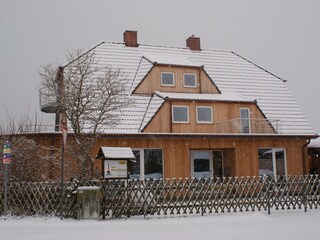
[
  {"x": 31, "y": 160},
  {"x": 89, "y": 97}
]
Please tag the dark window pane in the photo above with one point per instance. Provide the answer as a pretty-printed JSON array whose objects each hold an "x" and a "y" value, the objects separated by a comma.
[
  {"x": 134, "y": 166},
  {"x": 280, "y": 162},
  {"x": 153, "y": 163},
  {"x": 201, "y": 165},
  {"x": 265, "y": 162},
  {"x": 189, "y": 80}
]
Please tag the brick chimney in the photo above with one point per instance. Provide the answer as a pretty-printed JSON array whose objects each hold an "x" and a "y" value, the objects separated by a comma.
[
  {"x": 193, "y": 43},
  {"x": 130, "y": 38}
]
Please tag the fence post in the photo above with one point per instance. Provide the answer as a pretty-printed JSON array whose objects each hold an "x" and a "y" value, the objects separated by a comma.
[
  {"x": 268, "y": 202},
  {"x": 305, "y": 202}
]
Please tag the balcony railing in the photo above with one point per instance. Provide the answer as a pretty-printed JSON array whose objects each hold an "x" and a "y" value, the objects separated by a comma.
[
  {"x": 248, "y": 126},
  {"x": 48, "y": 101}
]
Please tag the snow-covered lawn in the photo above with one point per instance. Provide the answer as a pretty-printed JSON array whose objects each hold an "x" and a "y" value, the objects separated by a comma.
[{"x": 293, "y": 224}]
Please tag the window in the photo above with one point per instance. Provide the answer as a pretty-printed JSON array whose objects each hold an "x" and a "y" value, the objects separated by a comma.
[
  {"x": 204, "y": 115},
  {"x": 180, "y": 114},
  {"x": 272, "y": 161},
  {"x": 211, "y": 163},
  {"x": 189, "y": 80},
  {"x": 167, "y": 79},
  {"x": 148, "y": 164},
  {"x": 201, "y": 164},
  {"x": 245, "y": 120}
]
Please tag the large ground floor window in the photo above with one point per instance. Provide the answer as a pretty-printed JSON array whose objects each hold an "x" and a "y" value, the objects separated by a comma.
[
  {"x": 212, "y": 163},
  {"x": 272, "y": 161},
  {"x": 147, "y": 164}
]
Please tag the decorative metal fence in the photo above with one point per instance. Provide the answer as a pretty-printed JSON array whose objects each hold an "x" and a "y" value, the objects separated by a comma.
[{"x": 121, "y": 198}]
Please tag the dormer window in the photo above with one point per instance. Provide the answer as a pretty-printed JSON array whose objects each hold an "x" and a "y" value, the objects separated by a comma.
[
  {"x": 189, "y": 80},
  {"x": 167, "y": 79},
  {"x": 204, "y": 114},
  {"x": 180, "y": 114}
]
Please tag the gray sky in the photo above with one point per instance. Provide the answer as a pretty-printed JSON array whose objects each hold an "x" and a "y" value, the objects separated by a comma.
[{"x": 280, "y": 36}]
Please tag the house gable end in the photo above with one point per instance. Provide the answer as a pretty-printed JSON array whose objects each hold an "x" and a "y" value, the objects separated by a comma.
[{"x": 152, "y": 81}]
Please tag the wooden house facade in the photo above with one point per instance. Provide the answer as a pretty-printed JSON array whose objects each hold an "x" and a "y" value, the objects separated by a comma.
[{"x": 202, "y": 113}]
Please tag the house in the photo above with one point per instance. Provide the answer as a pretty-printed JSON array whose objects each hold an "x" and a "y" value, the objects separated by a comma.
[{"x": 202, "y": 113}]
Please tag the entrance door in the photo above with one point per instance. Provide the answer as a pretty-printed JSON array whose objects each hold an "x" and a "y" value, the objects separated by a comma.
[{"x": 201, "y": 164}]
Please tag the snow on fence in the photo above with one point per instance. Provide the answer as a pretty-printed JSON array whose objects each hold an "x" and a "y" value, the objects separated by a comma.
[{"x": 121, "y": 198}]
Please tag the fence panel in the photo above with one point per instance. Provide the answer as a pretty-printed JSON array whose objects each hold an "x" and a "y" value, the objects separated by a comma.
[{"x": 122, "y": 198}]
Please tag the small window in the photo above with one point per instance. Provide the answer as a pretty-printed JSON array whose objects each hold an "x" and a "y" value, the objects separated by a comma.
[
  {"x": 204, "y": 115},
  {"x": 167, "y": 79},
  {"x": 180, "y": 114},
  {"x": 189, "y": 80}
]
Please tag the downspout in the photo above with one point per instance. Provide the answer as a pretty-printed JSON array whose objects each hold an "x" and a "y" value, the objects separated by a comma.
[
  {"x": 170, "y": 113},
  {"x": 304, "y": 158},
  {"x": 200, "y": 81}
]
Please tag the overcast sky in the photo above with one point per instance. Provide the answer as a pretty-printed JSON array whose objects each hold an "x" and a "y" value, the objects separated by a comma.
[{"x": 280, "y": 36}]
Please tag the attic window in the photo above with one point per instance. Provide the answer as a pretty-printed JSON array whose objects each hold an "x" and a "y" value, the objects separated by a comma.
[
  {"x": 167, "y": 79},
  {"x": 189, "y": 80}
]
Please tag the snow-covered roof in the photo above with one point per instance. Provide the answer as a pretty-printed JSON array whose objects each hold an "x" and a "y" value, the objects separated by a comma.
[
  {"x": 314, "y": 143},
  {"x": 115, "y": 153},
  {"x": 171, "y": 60},
  {"x": 236, "y": 78},
  {"x": 224, "y": 97}
]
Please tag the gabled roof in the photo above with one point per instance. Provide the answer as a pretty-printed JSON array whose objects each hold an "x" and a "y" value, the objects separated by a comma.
[
  {"x": 115, "y": 153},
  {"x": 231, "y": 73}
]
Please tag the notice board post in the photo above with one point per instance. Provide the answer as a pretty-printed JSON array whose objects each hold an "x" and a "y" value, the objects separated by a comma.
[{"x": 114, "y": 164}]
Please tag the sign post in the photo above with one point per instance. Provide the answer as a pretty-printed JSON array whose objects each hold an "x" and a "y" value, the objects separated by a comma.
[
  {"x": 64, "y": 131},
  {"x": 7, "y": 154}
]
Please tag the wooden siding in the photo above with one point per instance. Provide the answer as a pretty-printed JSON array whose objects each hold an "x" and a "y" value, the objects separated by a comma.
[
  {"x": 222, "y": 111},
  {"x": 242, "y": 153},
  {"x": 152, "y": 81}
]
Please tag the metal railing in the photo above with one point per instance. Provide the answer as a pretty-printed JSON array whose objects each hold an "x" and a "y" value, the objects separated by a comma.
[
  {"x": 48, "y": 100},
  {"x": 248, "y": 126}
]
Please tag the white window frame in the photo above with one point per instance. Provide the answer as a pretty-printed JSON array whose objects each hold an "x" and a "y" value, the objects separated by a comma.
[
  {"x": 180, "y": 106},
  {"x": 195, "y": 80},
  {"x": 173, "y": 80},
  {"x": 205, "y": 122},
  {"x": 142, "y": 160},
  {"x": 192, "y": 158},
  {"x": 249, "y": 120},
  {"x": 274, "y": 160}
]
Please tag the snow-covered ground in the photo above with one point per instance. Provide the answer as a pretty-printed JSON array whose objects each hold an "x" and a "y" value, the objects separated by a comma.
[{"x": 293, "y": 224}]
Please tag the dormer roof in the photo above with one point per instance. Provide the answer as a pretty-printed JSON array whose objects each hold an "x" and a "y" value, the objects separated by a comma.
[
  {"x": 171, "y": 60},
  {"x": 224, "y": 97}
]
